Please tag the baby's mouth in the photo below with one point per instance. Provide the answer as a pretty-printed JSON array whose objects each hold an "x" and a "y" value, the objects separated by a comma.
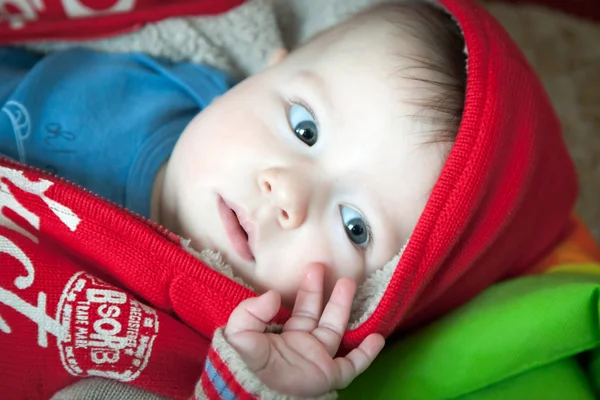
[
  {"x": 241, "y": 226},
  {"x": 237, "y": 235}
]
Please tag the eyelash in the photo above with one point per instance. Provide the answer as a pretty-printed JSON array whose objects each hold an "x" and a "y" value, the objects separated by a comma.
[
  {"x": 369, "y": 231},
  {"x": 291, "y": 101},
  {"x": 367, "y": 225}
]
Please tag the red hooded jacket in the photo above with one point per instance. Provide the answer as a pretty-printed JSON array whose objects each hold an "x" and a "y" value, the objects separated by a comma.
[
  {"x": 27, "y": 20},
  {"x": 88, "y": 289}
]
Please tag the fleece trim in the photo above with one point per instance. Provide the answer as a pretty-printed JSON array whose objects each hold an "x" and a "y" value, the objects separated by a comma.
[{"x": 226, "y": 376}]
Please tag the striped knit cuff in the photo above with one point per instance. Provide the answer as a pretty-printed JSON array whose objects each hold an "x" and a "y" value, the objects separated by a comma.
[{"x": 226, "y": 376}]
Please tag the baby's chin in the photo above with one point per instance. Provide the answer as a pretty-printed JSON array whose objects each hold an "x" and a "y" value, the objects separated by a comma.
[
  {"x": 221, "y": 263},
  {"x": 261, "y": 286}
]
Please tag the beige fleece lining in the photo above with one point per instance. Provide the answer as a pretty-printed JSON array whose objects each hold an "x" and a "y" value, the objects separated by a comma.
[{"x": 238, "y": 41}]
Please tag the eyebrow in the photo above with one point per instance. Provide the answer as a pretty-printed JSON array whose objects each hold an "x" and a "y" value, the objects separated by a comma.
[{"x": 319, "y": 84}]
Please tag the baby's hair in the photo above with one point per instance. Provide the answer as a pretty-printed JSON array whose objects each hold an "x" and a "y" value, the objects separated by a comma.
[{"x": 441, "y": 68}]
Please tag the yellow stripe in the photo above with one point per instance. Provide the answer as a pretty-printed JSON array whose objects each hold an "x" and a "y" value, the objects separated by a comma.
[{"x": 593, "y": 269}]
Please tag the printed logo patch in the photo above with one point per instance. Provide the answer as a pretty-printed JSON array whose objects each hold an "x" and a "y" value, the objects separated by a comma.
[{"x": 111, "y": 333}]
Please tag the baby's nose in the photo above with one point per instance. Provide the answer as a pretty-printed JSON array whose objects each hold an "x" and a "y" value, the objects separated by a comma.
[{"x": 288, "y": 192}]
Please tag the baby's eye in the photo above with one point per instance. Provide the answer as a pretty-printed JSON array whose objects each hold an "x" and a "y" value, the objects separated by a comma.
[
  {"x": 356, "y": 226},
  {"x": 303, "y": 124}
]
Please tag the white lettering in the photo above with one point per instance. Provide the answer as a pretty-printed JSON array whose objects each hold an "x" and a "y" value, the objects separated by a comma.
[
  {"x": 27, "y": 11},
  {"x": 123, "y": 376},
  {"x": 8, "y": 247},
  {"x": 37, "y": 314},
  {"x": 39, "y": 188},
  {"x": 109, "y": 312},
  {"x": 112, "y": 342},
  {"x": 7, "y": 200},
  {"x": 76, "y": 9},
  {"x": 105, "y": 296},
  {"x": 99, "y": 327},
  {"x": 81, "y": 338},
  {"x": 102, "y": 356}
]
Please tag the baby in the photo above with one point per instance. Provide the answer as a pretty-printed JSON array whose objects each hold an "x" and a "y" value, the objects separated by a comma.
[
  {"x": 292, "y": 174},
  {"x": 299, "y": 165}
]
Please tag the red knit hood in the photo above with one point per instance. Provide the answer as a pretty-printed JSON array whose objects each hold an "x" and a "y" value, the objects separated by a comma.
[{"x": 504, "y": 196}]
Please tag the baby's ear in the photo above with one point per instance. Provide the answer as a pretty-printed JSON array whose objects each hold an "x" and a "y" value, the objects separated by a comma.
[{"x": 277, "y": 56}]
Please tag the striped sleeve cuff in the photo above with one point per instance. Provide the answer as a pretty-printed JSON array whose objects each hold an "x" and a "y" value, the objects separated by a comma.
[{"x": 226, "y": 377}]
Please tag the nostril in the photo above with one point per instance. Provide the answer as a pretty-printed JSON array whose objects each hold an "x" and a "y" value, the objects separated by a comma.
[
  {"x": 285, "y": 215},
  {"x": 267, "y": 187}
]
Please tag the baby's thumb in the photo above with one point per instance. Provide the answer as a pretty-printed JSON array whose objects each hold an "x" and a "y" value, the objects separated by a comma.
[{"x": 253, "y": 315}]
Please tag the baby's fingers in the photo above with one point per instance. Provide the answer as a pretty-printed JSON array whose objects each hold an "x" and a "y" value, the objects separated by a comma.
[
  {"x": 359, "y": 359},
  {"x": 334, "y": 319},
  {"x": 253, "y": 314},
  {"x": 309, "y": 302}
]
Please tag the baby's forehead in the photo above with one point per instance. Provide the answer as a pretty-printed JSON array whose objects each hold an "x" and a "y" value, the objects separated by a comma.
[
  {"x": 370, "y": 23},
  {"x": 383, "y": 29}
]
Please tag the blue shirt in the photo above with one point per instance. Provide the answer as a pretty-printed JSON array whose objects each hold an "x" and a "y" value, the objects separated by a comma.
[{"x": 105, "y": 121}]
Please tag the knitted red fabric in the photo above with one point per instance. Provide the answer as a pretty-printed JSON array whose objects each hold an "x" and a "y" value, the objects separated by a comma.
[
  {"x": 503, "y": 201},
  {"x": 27, "y": 20},
  {"x": 504, "y": 195},
  {"x": 59, "y": 321}
]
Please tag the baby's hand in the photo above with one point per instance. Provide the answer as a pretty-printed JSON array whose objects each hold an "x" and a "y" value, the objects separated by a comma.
[{"x": 300, "y": 361}]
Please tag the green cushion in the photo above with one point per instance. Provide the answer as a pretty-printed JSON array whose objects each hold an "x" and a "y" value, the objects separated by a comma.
[
  {"x": 560, "y": 380},
  {"x": 516, "y": 340}
]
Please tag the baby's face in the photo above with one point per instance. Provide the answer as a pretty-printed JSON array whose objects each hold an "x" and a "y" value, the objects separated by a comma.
[{"x": 319, "y": 158}]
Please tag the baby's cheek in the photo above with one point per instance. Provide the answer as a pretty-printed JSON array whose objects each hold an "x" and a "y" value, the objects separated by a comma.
[
  {"x": 287, "y": 286},
  {"x": 288, "y": 293},
  {"x": 285, "y": 278}
]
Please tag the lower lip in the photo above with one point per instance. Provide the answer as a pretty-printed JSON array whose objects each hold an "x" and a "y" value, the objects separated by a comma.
[{"x": 235, "y": 233}]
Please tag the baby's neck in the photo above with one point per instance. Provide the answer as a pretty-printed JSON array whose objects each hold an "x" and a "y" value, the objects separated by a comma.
[{"x": 156, "y": 199}]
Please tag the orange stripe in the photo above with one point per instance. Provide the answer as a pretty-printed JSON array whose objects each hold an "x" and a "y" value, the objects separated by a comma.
[{"x": 579, "y": 247}]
